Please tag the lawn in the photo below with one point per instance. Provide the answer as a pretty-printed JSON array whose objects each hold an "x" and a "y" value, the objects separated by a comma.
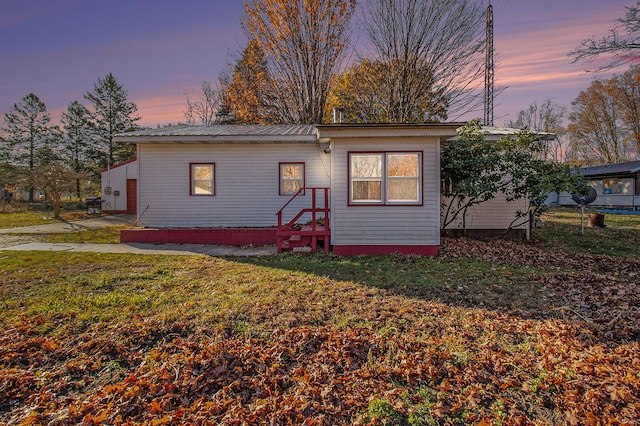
[
  {"x": 21, "y": 214},
  {"x": 488, "y": 333},
  {"x": 620, "y": 236}
]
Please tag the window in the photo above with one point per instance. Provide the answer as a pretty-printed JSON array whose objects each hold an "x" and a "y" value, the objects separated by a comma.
[
  {"x": 385, "y": 178},
  {"x": 366, "y": 177},
  {"x": 611, "y": 186},
  {"x": 203, "y": 179},
  {"x": 291, "y": 178}
]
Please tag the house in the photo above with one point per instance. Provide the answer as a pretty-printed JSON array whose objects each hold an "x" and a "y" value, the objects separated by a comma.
[
  {"x": 495, "y": 217},
  {"x": 119, "y": 187},
  {"x": 616, "y": 185},
  {"x": 359, "y": 189}
]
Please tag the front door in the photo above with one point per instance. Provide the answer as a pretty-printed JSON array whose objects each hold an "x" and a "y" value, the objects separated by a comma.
[{"x": 132, "y": 196}]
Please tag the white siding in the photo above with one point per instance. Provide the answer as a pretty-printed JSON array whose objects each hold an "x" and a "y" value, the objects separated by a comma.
[
  {"x": 116, "y": 180},
  {"x": 385, "y": 225},
  {"x": 246, "y": 181},
  {"x": 496, "y": 214}
]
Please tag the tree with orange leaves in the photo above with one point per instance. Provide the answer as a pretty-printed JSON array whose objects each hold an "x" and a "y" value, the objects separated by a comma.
[
  {"x": 247, "y": 93},
  {"x": 368, "y": 92},
  {"x": 304, "y": 42},
  {"x": 604, "y": 121}
]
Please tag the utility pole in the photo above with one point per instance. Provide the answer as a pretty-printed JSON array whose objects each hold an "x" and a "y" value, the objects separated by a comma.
[{"x": 489, "y": 70}]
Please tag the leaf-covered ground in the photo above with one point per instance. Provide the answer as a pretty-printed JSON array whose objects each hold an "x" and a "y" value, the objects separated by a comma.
[{"x": 502, "y": 332}]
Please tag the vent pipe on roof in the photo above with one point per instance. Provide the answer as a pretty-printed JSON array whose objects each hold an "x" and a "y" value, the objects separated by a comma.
[{"x": 338, "y": 115}]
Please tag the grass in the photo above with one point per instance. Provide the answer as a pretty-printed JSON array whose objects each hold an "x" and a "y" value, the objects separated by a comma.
[
  {"x": 94, "y": 286},
  {"x": 363, "y": 340},
  {"x": 38, "y": 214},
  {"x": 619, "y": 237},
  {"x": 108, "y": 235}
]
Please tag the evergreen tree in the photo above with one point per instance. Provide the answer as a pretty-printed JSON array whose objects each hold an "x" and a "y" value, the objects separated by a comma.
[
  {"x": 112, "y": 113},
  {"x": 79, "y": 133},
  {"x": 28, "y": 136}
]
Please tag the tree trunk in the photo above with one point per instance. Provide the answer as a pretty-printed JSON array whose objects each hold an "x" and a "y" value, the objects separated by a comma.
[{"x": 56, "y": 209}]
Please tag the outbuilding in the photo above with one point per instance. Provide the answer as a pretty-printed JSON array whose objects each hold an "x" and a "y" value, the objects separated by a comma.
[{"x": 119, "y": 187}]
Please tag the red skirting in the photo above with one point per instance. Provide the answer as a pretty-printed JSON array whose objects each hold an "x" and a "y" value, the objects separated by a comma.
[
  {"x": 214, "y": 236},
  {"x": 356, "y": 250}
]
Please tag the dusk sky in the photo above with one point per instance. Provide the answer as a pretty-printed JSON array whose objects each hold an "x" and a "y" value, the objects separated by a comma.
[{"x": 162, "y": 50}]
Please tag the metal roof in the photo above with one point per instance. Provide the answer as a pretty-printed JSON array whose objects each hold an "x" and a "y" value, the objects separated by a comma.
[
  {"x": 509, "y": 131},
  {"x": 227, "y": 130},
  {"x": 238, "y": 133},
  {"x": 497, "y": 133},
  {"x": 612, "y": 169},
  {"x": 281, "y": 133}
]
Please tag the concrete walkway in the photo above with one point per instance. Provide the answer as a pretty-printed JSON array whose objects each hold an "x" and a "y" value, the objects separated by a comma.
[
  {"x": 114, "y": 220},
  {"x": 167, "y": 249}
]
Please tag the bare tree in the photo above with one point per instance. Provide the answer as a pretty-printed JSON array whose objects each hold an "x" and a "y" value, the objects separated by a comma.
[
  {"x": 304, "y": 42},
  {"x": 205, "y": 107},
  {"x": 55, "y": 180},
  {"x": 444, "y": 37},
  {"x": 621, "y": 45},
  {"x": 547, "y": 117}
]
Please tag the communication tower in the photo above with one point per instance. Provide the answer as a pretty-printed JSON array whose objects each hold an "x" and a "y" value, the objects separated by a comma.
[{"x": 489, "y": 70}]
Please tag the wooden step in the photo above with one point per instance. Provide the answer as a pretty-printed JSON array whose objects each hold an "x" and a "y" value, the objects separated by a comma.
[{"x": 303, "y": 249}]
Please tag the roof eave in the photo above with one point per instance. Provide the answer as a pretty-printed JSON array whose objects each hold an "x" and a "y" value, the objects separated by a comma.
[{"x": 441, "y": 131}]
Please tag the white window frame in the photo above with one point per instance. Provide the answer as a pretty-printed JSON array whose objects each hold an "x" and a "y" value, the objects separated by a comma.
[
  {"x": 192, "y": 189},
  {"x": 282, "y": 180},
  {"x": 385, "y": 179}
]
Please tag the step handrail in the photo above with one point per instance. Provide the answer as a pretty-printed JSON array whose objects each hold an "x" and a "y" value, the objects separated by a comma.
[
  {"x": 290, "y": 200},
  {"x": 313, "y": 209}
]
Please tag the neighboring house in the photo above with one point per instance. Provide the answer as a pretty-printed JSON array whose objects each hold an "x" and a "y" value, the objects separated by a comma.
[
  {"x": 119, "y": 187},
  {"x": 616, "y": 185},
  {"x": 361, "y": 189}
]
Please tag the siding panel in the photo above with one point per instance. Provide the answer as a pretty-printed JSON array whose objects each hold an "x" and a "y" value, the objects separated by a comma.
[
  {"x": 386, "y": 225},
  {"x": 247, "y": 179},
  {"x": 492, "y": 214}
]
